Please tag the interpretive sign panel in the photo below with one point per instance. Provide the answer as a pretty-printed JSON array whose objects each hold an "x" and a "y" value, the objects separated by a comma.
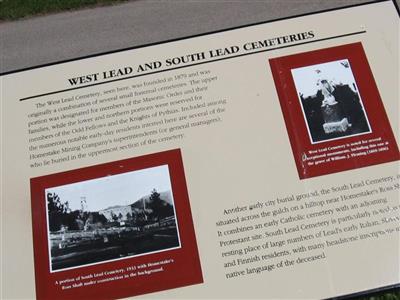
[{"x": 220, "y": 166}]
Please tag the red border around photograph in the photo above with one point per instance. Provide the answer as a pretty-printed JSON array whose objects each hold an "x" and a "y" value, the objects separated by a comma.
[
  {"x": 376, "y": 146},
  {"x": 128, "y": 276}
]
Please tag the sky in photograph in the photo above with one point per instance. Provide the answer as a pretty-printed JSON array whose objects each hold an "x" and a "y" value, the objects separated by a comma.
[
  {"x": 306, "y": 78},
  {"x": 120, "y": 189}
]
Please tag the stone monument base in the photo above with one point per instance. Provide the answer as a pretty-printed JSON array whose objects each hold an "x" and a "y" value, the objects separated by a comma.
[{"x": 340, "y": 126}]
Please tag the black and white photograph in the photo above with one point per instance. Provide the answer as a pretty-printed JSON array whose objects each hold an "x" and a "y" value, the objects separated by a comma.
[
  {"x": 330, "y": 101},
  {"x": 110, "y": 218}
]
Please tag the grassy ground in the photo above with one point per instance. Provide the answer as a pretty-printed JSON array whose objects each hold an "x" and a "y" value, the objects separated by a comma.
[
  {"x": 392, "y": 295},
  {"x": 17, "y": 9}
]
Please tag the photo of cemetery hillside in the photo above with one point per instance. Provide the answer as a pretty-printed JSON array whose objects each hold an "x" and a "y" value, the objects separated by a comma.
[{"x": 80, "y": 236}]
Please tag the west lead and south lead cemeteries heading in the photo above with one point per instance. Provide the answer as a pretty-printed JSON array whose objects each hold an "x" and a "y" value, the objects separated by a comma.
[{"x": 193, "y": 58}]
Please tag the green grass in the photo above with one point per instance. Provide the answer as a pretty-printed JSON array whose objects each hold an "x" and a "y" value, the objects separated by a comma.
[
  {"x": 387, "y": 295},
  {"x": 17, "y": 9}
]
